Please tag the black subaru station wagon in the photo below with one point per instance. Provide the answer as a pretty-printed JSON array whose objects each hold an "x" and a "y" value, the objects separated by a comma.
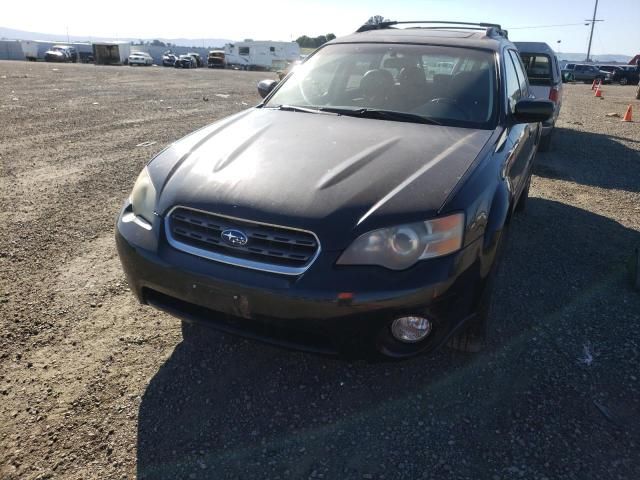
[{"x": 359, "y": 208}]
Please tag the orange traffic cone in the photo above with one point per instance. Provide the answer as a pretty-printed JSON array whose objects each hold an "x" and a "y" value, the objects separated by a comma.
[
  {"x": 627, "y": 116},
  {"x": 599, "y": 92},
  {"x": 593, "y": 85}
]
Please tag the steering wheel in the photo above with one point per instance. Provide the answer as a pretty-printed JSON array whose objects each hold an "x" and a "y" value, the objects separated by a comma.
[
  {"x": 454, "y": 103},
  {"x": 310, "y": 90}
]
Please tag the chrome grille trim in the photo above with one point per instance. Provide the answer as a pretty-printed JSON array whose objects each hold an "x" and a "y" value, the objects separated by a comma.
[{"x": 282, "y": 249}]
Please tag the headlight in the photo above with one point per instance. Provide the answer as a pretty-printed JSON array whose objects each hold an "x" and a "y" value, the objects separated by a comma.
[
  {"x": 398, "y": 248},
  {"x": 143, "y": 197}
]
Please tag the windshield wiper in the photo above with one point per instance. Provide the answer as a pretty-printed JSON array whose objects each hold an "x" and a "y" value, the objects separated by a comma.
[
  {"x": 362, "y": 113},
  {"x": 381, "y": 114},
  {"x": 297, "y": 108}
]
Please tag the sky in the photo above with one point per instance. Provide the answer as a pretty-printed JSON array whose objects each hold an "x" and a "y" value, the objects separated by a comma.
[{"x": 288, "y": 19}]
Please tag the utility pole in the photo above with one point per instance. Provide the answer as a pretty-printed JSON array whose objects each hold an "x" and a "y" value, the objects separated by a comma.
[{"x": 593, "y": 24}]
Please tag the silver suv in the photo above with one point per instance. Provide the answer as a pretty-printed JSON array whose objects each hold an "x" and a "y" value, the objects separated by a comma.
[
  {"x": 545, "y": 81},
  {"x": 585, "y": 73}
]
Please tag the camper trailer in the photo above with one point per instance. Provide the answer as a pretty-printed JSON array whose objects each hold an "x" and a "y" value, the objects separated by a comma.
[{"x": 261, "y": 55}]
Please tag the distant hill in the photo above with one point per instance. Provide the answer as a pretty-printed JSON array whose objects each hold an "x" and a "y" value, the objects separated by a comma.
[
  {"x": 12, "y": 34},
  {"x": 579, "y": 57}
]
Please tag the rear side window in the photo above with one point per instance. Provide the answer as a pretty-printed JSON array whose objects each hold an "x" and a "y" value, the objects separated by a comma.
[
  {"x": 538, "y": 68},
  {"x": 512, "y": 82}
]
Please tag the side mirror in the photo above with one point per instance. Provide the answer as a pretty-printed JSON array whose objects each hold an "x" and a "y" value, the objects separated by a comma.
[
  {"x": 531, "y": 111},
  {"x": 265, "y": 87}
]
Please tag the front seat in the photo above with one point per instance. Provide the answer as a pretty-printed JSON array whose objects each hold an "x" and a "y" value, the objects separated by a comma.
[
  {"x": 413, "y": 86},
  {"x": 376, "y": 88}
]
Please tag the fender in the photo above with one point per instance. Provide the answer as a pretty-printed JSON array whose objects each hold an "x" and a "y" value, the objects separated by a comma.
[{"x": 497, "y": 221}]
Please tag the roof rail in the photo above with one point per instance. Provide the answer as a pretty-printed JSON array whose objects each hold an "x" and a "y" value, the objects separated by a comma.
[{"x": 491, "y": 29}]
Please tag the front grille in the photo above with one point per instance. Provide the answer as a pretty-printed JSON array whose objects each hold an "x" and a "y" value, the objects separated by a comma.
[{"x": 268, "y": 247}]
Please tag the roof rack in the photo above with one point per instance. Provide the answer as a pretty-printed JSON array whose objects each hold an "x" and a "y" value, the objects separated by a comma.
[{"x": 491, "y": 29}]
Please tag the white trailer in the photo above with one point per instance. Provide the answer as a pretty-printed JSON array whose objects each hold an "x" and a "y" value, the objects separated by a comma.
[
  {"x": 30, "y": 49},
  {"x": 261, "y": 55}
]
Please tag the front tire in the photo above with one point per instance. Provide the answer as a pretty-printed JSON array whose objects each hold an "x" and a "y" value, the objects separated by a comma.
[
  {"x": 624, "y": 81},
  {"x": 472, "y": 337},
  {"x": 545, "y": 142},
  {"x": 521, "y": 206}
]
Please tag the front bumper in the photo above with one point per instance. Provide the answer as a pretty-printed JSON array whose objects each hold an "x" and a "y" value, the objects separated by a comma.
[
  {"x": 55, "y": 58},
  {"x": 328, "y": 309}
]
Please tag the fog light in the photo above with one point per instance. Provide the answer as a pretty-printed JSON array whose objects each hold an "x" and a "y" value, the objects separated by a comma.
[{"x": 410, "y": 329}]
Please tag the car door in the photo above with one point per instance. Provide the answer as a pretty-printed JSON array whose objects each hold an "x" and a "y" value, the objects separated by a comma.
[
  {"x": 525, "y": 91},
  {"x": 516, "y": 132},
  {"x": 578, "y": 73},
  {"x": 521, "y": 136},
  {"x": 558, "y": 86}
]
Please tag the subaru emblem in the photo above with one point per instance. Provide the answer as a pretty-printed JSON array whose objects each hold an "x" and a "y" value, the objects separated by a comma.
[{"x": 234, "y": 237}]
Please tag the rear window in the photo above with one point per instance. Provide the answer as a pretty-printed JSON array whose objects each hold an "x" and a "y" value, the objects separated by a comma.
[{"x": 538, "y": 68}]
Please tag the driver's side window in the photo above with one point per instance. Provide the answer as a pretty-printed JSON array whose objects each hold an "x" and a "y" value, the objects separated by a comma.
[{"x": 511, "y": 81}]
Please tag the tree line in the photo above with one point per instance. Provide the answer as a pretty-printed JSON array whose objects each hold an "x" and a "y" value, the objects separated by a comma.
[{"x": 314, "y": 42}]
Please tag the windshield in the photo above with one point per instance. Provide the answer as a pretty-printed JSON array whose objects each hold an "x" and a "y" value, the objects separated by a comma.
[{"x": 453, "y": 86}]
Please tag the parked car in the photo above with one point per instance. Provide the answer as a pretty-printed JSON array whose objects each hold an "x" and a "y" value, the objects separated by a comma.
[
  {"x": 567, "y": 72},
  {"x": 198, "y": 59},
  {"x": 585, "y": 73},
  {"x": 216, "y": 59},
  {"x": 86, "y": 57},
  {"x": 140, "y": 58},
  {"x": 168, "y": 59},
  {"x": 608, "y": 68},
  {"x": 62, "y": 54},
  {"x": 545, "y": 81},
  {"x": 185, "y": 61},
  {"x": 354, "y": 209},
  {"x": 627, "y": 75}
]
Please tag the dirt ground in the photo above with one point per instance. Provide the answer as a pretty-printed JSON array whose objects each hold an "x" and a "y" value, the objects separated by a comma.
[{"x": 92, "y": 385}]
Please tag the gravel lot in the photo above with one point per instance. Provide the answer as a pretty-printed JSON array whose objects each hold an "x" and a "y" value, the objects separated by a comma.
[{"x": 93, "y": 385}]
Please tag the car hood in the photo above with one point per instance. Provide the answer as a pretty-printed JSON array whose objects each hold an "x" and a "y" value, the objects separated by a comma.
[{"x": 335, "y": 175}]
